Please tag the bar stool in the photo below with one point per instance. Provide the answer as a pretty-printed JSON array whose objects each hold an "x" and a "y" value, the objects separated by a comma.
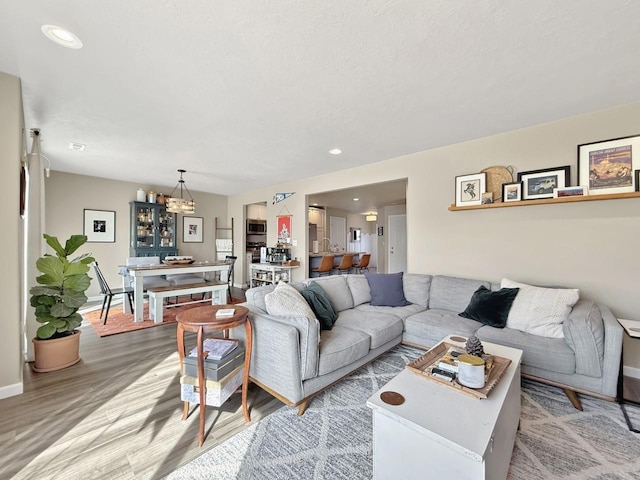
[
  {"x": 346, "y": 264},
  {"x": 363, "y": 264},
  {"x": 326, "y": 265}
]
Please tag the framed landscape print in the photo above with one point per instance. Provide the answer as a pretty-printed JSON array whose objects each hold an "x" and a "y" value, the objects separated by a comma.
[
  {"x": 512, "y": 192},
  {"x": 607, "y": 166},
  {"x": 570, "y": 192},
  {"x": 469, "y": 189},
  {"x": 192, "y": 229},
  {"x": 540, "y": 183},
  {"x": 100, "y": 226}
]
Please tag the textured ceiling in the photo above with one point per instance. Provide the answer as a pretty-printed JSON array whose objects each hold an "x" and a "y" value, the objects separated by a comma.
[{"x": 243, "y": 93}]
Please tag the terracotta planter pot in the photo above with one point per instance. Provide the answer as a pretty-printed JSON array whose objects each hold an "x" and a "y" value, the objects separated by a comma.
[{"x": 57, "y": 353}]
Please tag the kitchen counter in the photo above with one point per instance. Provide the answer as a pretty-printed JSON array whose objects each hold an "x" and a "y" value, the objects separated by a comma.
[{"x": 322, "y": 254}]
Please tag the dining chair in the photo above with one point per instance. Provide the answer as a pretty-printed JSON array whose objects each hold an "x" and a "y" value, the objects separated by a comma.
[
  {"x": 346, "y": 264},
  {"x": 231, "y": 260},
  {"x": 326, "y": 265},
  {"x": 109, "y": 293},
  {"x": 363, "y": 264}
]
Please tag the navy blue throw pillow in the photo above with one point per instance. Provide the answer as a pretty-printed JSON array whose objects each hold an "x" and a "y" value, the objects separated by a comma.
[
  {"x": 490, "y": 308},
  {"x": 321, "y": 305},
  {"x": 386, "y": 289}
]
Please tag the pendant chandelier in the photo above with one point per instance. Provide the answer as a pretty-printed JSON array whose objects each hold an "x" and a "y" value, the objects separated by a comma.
[{"x": 181, "y": 205}]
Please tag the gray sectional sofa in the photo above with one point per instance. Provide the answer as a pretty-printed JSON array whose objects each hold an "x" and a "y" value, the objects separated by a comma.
[{"x": 293, "y": 359}]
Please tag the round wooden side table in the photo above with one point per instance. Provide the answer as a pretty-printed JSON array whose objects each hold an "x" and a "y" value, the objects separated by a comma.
[{"x": 202, "y": 320}]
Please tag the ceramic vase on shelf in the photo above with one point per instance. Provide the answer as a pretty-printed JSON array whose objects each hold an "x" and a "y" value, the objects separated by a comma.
[{"x": 141, "y": 195}]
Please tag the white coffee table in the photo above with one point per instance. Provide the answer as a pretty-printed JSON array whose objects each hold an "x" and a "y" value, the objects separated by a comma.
[{"x": 445, "y": 434}]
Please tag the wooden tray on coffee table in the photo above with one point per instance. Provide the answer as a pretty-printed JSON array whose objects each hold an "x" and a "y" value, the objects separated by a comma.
[{"x": 421, "y": 366}]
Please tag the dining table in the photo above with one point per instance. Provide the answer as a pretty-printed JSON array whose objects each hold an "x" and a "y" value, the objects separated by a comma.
[{"x": 137, "y": 273}]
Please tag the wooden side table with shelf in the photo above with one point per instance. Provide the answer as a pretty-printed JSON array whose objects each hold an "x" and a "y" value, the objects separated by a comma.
[{"x": 202, "y": 320}]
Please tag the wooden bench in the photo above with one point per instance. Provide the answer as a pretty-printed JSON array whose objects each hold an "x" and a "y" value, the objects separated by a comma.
[{"x": 158, "y": 294}]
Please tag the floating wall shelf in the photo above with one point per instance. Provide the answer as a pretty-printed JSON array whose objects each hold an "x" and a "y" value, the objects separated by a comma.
[{"x": 548, "y": 201}]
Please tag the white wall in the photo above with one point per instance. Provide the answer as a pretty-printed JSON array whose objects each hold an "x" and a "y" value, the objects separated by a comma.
[
  {"x": 588, "y": 245},
  {"x": 11, "y": 125}
]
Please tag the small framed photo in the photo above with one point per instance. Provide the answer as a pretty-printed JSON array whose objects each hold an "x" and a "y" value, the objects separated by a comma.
[
  {"x": 192, "y": 229},
  {"x": 540, "y": 183},
  {"x": 607, "y": 166},
  {"x": 512, "y": 192},
  {"x": 487, "y": 198},
  {"x": 469, "y": 189},
  {"x": 100, "y": 226},
  {"x": 570, "y": 192}
]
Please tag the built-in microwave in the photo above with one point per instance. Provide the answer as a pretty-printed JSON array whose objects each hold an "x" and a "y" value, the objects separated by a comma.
[{"x": 255, "y": 227}]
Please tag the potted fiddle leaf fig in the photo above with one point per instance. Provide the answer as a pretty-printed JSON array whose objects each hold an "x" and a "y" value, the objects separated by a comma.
[{"x": 57, "y": 297}]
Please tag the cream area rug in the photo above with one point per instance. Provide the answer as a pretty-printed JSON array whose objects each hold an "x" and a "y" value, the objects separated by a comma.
[{"x": 333, "y": 439}]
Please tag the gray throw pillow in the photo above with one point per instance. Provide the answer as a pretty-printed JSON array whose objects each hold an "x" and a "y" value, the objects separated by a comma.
[
  {"x": 386, "y": 289},
  {"x": 321, "y": 305}
]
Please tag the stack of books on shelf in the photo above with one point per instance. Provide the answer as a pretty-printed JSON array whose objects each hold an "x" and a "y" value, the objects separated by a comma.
[{"x": 223, "y": 367}]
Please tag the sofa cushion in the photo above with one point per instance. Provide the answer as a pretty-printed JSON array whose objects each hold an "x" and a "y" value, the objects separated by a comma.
[
  {"x": 320, "y": 304},
  {"x": 341, "y": 346},
  {"x": 490, "y": 308},
  {"x": 433, "y": 325},
  {"x": 335, "y": 287},
  {"x": 400, "y": 312},
  {"x": 546, "y": 353},
  {"x": 416, "y": 288},
  {"x": 452, "y": 293},
  {"x": 381, "y": 327},
  {"x": 287, "y": 301},
  {"x": 360, "y": 290},
  {"x": 386, "y": 289},
  {"x": 540, "y": 311}
]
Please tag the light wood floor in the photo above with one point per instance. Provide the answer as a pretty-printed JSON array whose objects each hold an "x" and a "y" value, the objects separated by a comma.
[{"x": 116, "y": 414}]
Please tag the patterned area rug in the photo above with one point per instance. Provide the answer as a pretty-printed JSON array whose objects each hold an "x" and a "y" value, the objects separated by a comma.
[
  {"x": 333, "y": 439},
  {"x": 119, "y": 322}
]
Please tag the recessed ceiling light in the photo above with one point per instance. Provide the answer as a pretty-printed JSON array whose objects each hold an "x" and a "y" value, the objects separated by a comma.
[
  {"x": 335, "y": 151},
  {"x": 78, "y": 147},
  {"x": 61, "y": 36},
  {"x": 356, "y": 199}
]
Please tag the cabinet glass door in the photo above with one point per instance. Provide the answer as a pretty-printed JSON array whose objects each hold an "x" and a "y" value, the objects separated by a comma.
[
  {"x": 166, "y": 228},
  {"x": 145, "y": 222}
]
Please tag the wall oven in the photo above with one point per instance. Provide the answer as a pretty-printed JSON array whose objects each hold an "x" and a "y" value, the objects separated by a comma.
[{"x": 256, "y": 227}]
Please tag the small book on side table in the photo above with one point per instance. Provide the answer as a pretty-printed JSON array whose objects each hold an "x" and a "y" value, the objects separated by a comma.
[{"x": 225, "y": 312}]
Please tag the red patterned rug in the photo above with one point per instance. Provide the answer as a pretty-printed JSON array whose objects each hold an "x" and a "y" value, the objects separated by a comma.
[{"x": 119, "y": 322}]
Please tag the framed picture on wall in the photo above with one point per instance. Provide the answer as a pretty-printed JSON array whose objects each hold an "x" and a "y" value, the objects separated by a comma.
[
  {"x": 469, "y": 189},
  {"x": 512, "y": 192},
  {"x": 607, "y": 166},
  {"x": 100, "y": 226},
  {"x": 192, "y": 229},
  {"x": 283, "y": 224},
  {"x": 540, "y": 183}
]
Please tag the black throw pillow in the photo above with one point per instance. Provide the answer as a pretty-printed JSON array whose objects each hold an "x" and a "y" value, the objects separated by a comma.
[
  {"x": 491, "y": 308},
  {"x": 321, "y": 305}
]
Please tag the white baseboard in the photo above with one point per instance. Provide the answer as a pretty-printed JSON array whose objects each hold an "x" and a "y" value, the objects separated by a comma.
[
  {"x": 631, "y": 372},
  {"x": 11, "y": 390}
]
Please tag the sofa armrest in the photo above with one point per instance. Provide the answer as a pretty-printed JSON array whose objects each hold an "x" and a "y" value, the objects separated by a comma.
[
  {"x": 584, "y": 333},
  {"x": 613, "y": 334},
  {"x": 595, "y": 336},
  {"x": 285, "y": 352}
]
